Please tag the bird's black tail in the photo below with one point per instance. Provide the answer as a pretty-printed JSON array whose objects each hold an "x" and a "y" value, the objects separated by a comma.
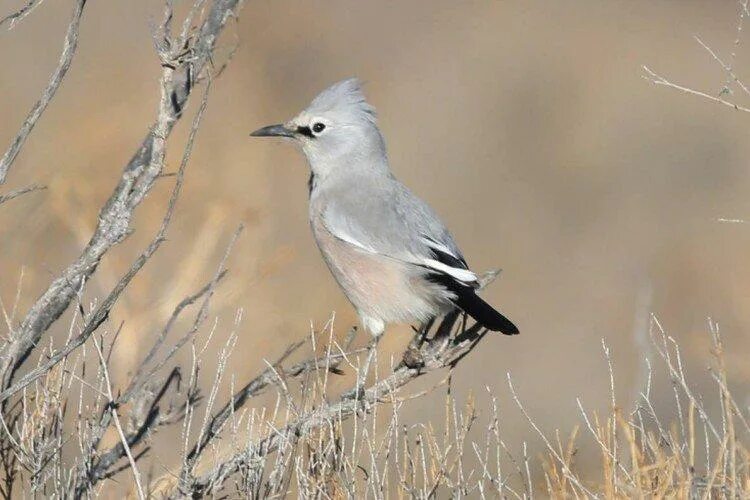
[
  {"x": 484, "y": 314},
  {"x": 469, "y": 302}
]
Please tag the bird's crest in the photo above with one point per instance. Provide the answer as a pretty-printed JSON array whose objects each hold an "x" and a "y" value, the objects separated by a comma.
[{"x": 343, "y": 98}]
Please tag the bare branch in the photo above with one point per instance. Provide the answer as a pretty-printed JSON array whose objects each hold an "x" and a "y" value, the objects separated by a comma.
[
  {"x": 20, "y": 191},
  {"x": 424, "y": 354},
  {"x": 115, "y": 416},
  {"x": 735, "y": 46},
  {"x": 257, "y": 385},
  {"x": 731, "y": 76},
  {"x": 69, "y": 48},
  {"x": 140, "y": 391},
  {"x": 20, "y": 14},
  {"x": 660, "y": 80},
  {"x": 178, "y": 75},
  {"x": 142, "y": 375},
  {"x": 102, "y": 311}
]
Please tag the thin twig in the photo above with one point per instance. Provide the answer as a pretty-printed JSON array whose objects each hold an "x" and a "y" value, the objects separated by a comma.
[
  {"x": 138, "y": 177},
  {"x": 69, "y": 48},
  {"x": 424, "y": 355},
  {"x": 116, "y": 418},
  {"x": 17, "y": 16},
  {"x": 20, "y": 191},
  {"x": 660, "y": 80},
  {"x": 102, "y": 312},
  {"x": 727, "y": 67}
]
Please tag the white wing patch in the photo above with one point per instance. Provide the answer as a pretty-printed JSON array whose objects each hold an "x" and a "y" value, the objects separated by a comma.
[
  {"x": 438, "y": 246},
  {"x": 352, "y": 241},
  {"x": 460, "y": 274}
]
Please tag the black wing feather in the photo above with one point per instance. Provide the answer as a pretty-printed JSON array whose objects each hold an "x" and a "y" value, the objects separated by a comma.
[
  {"x": 455, "y": 261},
  {"x": 466, "y": 298},
  {"x": 468, "y": 301}
]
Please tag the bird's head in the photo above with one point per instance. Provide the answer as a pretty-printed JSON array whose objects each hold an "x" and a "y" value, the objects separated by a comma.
[{"x": 337, "y": 130}]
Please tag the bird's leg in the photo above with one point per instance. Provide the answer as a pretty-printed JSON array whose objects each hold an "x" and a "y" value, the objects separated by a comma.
[
  {"x": 372, "y": 348},
  {"x": 364, "y": 370},
  {"x": 423, "y": 330}
]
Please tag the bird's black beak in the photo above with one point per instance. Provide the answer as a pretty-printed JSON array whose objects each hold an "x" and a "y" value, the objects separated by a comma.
[{"x": 273, "y": 131}]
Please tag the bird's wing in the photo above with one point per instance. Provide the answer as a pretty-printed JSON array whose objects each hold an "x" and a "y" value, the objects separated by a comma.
[{"x": 387, "y": 219}]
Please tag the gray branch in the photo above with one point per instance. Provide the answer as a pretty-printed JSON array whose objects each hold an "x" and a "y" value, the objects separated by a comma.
[
  {"x": 102, "y": 311},
  {"x": 253, "y": 388},
  {"x": 20, "y": 13},
  {"x": 20, "y": 191},
  {"x": 434, "y": 347},
  {"x": 69, "y": 48},
  {"x": 181, "y": 68}
]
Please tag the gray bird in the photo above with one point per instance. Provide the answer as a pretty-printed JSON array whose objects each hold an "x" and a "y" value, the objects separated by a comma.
[{"x": 392, "y": 256}]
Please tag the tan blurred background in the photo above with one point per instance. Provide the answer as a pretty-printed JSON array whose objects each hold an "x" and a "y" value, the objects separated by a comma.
[{"x": 526, "y": 125}]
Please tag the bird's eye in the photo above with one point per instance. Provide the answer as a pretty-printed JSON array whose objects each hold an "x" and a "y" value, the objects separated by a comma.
[{"x": 318, "y": 127}]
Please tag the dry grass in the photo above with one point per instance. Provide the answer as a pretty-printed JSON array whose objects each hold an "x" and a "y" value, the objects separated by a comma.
[
  {"x": 683, "y": 453},
  {"x": 370, "y": 451},
  {"x": 687, "y": 453}
]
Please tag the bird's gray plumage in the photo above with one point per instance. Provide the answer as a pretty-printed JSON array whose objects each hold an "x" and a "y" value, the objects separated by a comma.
[
  {"x": 389, "y": 252},
  {"x": 389, "y": 220}
]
